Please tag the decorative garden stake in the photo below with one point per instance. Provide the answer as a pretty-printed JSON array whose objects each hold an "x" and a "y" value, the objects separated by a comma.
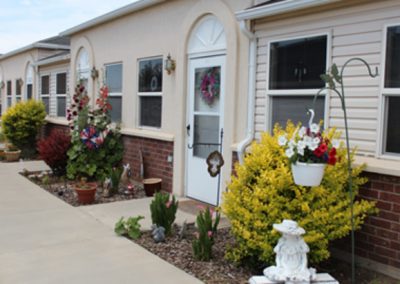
[
  {"x": 291, "y": 256},
  {"x": 332, "y": 79}
]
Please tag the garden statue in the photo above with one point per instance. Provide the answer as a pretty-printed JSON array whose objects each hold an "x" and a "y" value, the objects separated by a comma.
[
  {"x": 107, "y": 187},
  {"x": 291, "y": 256},
  {"x": 158, "y": 233},
  {"x": 126, "y": 174}
]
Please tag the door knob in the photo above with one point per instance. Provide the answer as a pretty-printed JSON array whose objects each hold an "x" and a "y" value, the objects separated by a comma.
[{"x": 188, "y": 130}]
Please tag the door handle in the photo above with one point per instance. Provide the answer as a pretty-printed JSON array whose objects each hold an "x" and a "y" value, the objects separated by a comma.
[{"x": 188, "y": 130}]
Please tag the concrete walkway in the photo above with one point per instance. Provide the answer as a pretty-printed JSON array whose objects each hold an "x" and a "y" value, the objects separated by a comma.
[{"x": 44, "y": 240}]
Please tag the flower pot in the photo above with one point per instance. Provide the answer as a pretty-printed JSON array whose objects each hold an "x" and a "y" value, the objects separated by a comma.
[
  {"x": 12, "y": 156},
  {"x": 86, "y": 192},
  {"x": 308, "y": 174},
  {"x": 152, "y": 185}
]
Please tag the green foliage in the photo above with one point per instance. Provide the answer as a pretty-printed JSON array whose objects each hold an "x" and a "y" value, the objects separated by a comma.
[
  {"x": 93, "y": 161},
  {"x": 21, "y": 124},
  {"x": 130, "y": 227},
  {"x": 207, "y": 229},
  {"x": 115, "y": 176},
  {"x": 263, "y": 193},
  {"x": 163, "y": 211}
]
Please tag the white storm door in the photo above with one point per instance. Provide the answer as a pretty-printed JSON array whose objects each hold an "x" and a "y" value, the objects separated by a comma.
[{"x": 205, "y": 122}]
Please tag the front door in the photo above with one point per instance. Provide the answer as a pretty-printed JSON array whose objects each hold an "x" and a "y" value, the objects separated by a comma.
[{"x": 205, "y": 121}]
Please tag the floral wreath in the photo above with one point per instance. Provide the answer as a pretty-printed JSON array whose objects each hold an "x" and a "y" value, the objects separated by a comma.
[{"x": 209, "y": 86}]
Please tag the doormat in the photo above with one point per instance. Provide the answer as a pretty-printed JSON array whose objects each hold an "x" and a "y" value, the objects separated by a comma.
[{"x": 192, "y": 206}]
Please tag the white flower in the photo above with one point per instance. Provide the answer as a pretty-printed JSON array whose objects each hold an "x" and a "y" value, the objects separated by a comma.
[
  {"x": 307, "y": 140},
  {"x": 289, "y": 152},
  {"x": 282, "y": 140},
  {"x": 335, "y": 143},
  {"x": 292, "y": 143},
  {"x": 316, "y": 140},
  {"x": 301, "y": 145},
  {"x": 314, "y": 128},
  {"x": 302, "y": 131},
  {"x": 300, "y": 151},
  {"x": 312, "y": 146}
]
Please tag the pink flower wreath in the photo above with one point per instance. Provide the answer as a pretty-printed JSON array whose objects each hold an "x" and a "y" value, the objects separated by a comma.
[{"x": 209, "y": 87}]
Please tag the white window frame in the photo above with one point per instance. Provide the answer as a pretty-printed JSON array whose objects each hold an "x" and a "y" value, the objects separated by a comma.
[
  {"x": 41, "y": 95},
  {"x": 385, "y": 93},
  {"x": 303, "y": 92},
  {"x": 57, "y": 95},
  {"x": 82, "y": 72},
  {"x": 18, "y": 97},
  {"x": 149, "y": 94},
  {"x": 122, "y": 82},
  {"x": 29, "y": 81},
  {"x": 9, "y": 95}
]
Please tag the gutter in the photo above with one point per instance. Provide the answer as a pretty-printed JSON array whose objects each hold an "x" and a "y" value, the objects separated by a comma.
[
  {"x": 128, "y": 9},
  {"x": 251, "y": 93},
  {"x": 279, "y": 8}
]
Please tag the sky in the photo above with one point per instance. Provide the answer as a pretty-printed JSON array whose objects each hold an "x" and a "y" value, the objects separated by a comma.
[{"x": 23, "y": 22}]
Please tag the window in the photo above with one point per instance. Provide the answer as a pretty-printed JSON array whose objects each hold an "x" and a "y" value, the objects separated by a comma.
[
  {"x": 61, "y": 93},
  {"x": 114, "y": 84},
  {"x": 295, "y": 67},
  {"x": 391, "y": 92},
  {"x": 45, "y": 91},
  {"x": 83, "y": 67},
  {"x": 29, "y": 82},
  {"x": 18, "y": 83},
  {"x": 150, "y": 92},
  {"x": 9, "y": 93}
]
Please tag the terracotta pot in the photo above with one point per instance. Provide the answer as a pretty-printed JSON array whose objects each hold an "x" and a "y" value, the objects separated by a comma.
[
  {"x": 152, "y": 185},
  {"x": 86, "y": 192},
  {"x": 308, "y": 174},
  {"x": 12, "y": 156}
]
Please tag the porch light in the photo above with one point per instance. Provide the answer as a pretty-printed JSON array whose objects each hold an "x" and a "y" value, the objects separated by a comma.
[
  {"x": 169, "y": 64},
  {"x": 94, "y": 73}
]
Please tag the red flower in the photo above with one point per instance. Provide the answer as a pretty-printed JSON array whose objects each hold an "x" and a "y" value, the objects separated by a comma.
[
  {"x": 332, "y": 160},
  {"x": 318, "y": 152},
  {"x": 323, "y": 148},
  {"x": 332, "y": 152}
]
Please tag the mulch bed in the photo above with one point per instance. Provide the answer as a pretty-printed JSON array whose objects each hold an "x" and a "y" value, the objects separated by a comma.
[
  {"x": 219, "y": 270},
  {"x": 61, "y": 188}
]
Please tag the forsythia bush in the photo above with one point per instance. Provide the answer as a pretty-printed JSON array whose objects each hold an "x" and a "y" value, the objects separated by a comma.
[
  {"x": 263, "y": 193},
  {"x": 21, "y": 124}
]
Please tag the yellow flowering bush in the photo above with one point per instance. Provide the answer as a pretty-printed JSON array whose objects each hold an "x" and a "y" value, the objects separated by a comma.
[
  {"x": 21, "y": 124},
  {"x": 263, "y": 193}
]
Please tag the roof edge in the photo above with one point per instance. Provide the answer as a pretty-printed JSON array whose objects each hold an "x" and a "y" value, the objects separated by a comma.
[
  {"x": 130, "y": 8},
  {"x": 279, "y": 8},
  {"x": 52, "y": 60},
  {"x": 32, "y": 46}
]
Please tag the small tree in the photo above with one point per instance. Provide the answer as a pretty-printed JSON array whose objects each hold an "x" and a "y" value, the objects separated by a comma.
[
  {"x": 263, "y": 193},
  {"x": 21, "y": 124}
]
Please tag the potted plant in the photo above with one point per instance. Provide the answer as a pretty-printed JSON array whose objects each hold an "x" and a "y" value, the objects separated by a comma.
[
  {"x": 86, "y": 191},
  {"x": 12, "y": 153},
  {"x": 309, "y": 151}
]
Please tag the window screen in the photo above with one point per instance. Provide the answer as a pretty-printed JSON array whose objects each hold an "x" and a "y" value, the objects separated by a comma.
[
  {"x": 150, "y": 111},
  {"x": 61, "y": 83}
]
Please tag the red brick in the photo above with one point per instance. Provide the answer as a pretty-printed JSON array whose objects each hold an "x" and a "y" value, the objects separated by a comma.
[
  {"x": 395, "y": 245},
  {"x": 379, "y": 258},
  {"x": 394, "y": 263},
  {"x": 378, "y": 222},
  {"x": 364, "y": 192},
  {"x": 397, "y": 189},
  {"x": 395, "y": 227},
  {"x": 390, "y": 197},
  {"x": 379, "y": 241},
  {"x": 396, "y": 207},
  {"x": 387, "y": 215},
  {"x": 387, "y": 234},
  {"x": 388, "y": 187},
  {"x": 385, "y": 252},
  {"x": 377, "y": 185},
  {"x": 384, "y": 205}
]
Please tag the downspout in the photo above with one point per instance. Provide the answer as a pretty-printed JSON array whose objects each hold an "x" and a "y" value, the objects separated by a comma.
[{"x": 251, "y": 93}]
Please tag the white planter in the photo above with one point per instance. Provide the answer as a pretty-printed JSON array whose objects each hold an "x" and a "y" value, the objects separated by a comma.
[{"x": 308, "y": 174}]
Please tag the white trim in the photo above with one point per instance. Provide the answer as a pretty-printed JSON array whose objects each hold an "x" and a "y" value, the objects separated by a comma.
[
  {"x": 128, "y": 9},
  {"x": 279, "y": 8},
  {"x": 52, "y": 60},
  {"x": 296, "y": 92},
  {"x": 383, "y": 102},
  {"x": 148, "y": 133}
]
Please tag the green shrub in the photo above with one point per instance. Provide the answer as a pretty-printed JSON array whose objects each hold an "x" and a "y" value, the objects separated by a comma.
[
  {"x": 130, "y": 227},
  {"x": 115, "y": 176},
  {"x": 21, "y": 124},
  {"x": 206, "y": 230},
  {"x": 163, "y": 211},
  {"x": 263, "y": 193}
]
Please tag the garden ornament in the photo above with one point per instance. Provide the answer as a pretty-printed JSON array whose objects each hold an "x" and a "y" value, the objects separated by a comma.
[
  {"x": 107, "y": 184},
  {"x": 183, "y": 230},
  {"x": 291, "y": 256},
  {"x": 158, "y": 233},
  {"x": 126, "y": 173}
]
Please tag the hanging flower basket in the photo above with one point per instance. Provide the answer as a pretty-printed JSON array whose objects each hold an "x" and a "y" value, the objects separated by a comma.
[{"x": 308, "y": 174}]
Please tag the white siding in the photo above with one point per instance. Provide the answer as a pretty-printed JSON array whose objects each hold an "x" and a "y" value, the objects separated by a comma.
[{"x": 355, "y": 32}]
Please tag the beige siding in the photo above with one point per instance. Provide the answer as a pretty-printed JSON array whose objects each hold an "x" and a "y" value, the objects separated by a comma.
[{"x": 356, "y": 31}]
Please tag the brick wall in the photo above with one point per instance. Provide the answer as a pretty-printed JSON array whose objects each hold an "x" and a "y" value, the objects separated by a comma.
[
  {"x": 46, "y": 129},
  {"x": 155, "y": 156},
  {"x": 379, "y": 238}
]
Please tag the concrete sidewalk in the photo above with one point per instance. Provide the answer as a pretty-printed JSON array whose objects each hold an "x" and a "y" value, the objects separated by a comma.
[{"x": 44, "y": 240}]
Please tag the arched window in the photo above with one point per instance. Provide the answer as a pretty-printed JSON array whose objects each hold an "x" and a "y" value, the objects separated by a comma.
[
  {"x": 29, "y": 82},
  {"x": 83, "y": 67}
]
